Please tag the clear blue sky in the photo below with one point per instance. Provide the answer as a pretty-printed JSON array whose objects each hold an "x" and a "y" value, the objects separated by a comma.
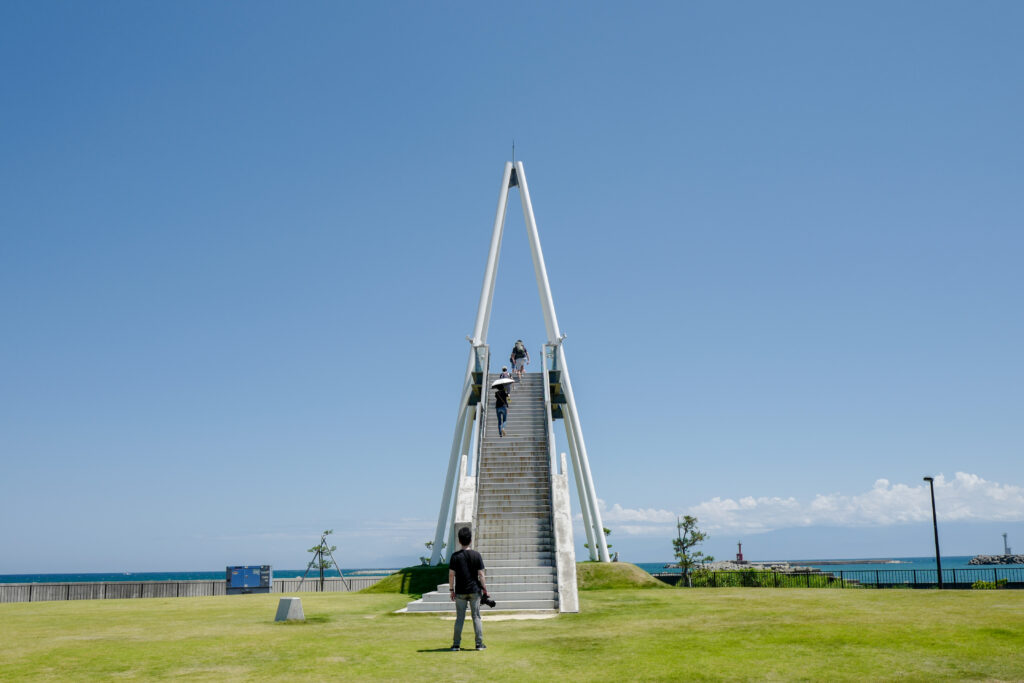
[{"x": 241, "y": 244}]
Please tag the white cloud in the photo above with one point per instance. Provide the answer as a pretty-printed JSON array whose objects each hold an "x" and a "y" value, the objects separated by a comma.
[
  {"x": 617, "y": 513},
  {"x": 964, "y": 498},
  {"x": 634, "y": 522}
]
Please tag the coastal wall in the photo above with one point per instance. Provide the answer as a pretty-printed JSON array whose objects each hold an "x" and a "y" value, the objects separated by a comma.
[{"x": 117, "y": 590}]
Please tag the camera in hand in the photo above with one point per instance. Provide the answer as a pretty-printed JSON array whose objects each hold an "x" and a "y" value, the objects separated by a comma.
[{"x": 487, "y": 600}]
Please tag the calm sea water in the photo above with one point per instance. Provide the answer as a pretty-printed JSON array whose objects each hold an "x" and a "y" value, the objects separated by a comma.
[
  {"x": 918, "y": 563},
  {"x": 951, "y": 562},
  {"x": 170, "y": 576}
]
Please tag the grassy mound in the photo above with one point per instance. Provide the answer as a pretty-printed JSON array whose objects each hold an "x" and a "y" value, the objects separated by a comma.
[
  {"x": 413, "y": 581},
  {"x": 592, "y": 576}
]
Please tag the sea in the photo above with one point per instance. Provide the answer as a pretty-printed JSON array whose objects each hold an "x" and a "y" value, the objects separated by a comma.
[
  {"x": 172, "y": 576},
  {"x": 852, "y": 564},
  {"x": 849, "y": 564}
]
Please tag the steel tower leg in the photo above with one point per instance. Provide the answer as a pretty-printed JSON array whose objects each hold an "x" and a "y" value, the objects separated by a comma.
[
  {"x": 574, "y": 431},
  {"x": 483, "y": 315},
  {"x": 555, "y": 338}
]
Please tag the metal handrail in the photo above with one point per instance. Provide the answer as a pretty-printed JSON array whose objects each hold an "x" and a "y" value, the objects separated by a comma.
[
  {"x": 549, "y": 420},
  {"x": 481, "y": 431},
  {"x": 485, "y": 367}
]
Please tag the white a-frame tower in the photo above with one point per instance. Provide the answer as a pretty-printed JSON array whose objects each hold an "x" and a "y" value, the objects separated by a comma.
[{"x": 461, "y": 503}]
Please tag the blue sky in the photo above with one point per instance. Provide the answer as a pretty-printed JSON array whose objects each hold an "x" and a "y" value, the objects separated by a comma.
[{"x": 241, "y": 245}]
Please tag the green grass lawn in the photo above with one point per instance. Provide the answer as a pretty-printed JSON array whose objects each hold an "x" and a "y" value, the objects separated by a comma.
[{"x": 620, "y": 634}]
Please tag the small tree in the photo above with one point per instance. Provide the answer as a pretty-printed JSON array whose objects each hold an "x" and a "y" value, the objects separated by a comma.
[
  {"x": 689, "y": 537},
  {"x": 321, "y": 552},
  {"x": 430, "y": 546},
  {"x": 607, "y": 533}
]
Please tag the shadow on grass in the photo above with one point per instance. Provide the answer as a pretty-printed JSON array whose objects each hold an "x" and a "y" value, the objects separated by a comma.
[
  {"x": 311, "y": 619},
  {"x": 437, "y": 649},
  {"x": 413, "y": 581}
]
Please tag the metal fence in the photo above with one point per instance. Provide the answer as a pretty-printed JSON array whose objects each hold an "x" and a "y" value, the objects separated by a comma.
[
  {"x": 106, "y": 590},
  {"x": 1003, "y": 577}
]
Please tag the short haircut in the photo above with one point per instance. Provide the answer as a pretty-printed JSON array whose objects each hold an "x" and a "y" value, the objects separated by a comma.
[{"x": 465, "y": 535}]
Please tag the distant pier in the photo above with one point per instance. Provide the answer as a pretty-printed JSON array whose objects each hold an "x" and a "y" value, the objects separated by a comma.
[
  {"x": 834, "y": 562},
  {"x": 997, "y": 559}
]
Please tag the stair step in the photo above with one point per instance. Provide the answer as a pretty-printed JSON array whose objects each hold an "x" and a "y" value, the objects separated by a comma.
[
  {"x": 495, "y": 555},
  {"x": 495, "y": 586},
  {"x": 521, "y": 544},
  {"x": 531, "y": 510},
  {"x": 516, "y": 545},
  {"x": 536, "y": 470},
  {"x": 524, "y": 574},
  {"x": 514, "y": 530},
  {"x": 498, "y": 596},
  {"x": 520, "y": 563},
  {"x": 508, "y": 606},
  {"x": 529, "y": 477},
  {"x": 518, "y": 514}
]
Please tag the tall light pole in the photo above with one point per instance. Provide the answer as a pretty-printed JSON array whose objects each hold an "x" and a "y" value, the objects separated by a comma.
[{"x": 935, "y": 526}]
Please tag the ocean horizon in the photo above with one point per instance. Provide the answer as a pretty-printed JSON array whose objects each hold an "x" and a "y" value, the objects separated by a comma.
[
  {"x": 852, "y": 564},
  {"x": 96, "y": 577},
  {"x": 826, "y": 565}
]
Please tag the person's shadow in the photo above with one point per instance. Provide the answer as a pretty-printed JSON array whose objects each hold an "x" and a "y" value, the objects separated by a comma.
[{"x": 439, "y": 649}]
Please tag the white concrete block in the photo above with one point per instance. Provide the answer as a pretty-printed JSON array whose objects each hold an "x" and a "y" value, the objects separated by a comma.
[
  {"x": 290, "y": 609},
  {"x": 565, "y": 555}
]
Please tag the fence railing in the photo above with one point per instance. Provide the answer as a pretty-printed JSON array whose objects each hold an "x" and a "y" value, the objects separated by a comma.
[
  {"x": 112, "y": 590},
  {"x": 1004, "y": 577}
]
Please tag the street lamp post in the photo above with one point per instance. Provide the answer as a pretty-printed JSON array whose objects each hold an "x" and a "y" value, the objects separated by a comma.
[{"x": 935, "y": 527}]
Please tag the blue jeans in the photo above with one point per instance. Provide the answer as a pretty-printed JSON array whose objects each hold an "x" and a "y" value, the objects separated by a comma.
[
  {"x": 502, "y": 416},
  {"x": 473, "y": 600}
]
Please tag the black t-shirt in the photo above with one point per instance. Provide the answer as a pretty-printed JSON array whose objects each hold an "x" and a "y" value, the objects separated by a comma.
[
  {"x": 500, "y": 397},
  {"x": 466, "y": 563}
]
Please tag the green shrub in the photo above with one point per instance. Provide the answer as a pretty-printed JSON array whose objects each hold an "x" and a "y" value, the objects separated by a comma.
[
  {"x": 753, "y": 578},
  {"x": 989, "y": 585}
]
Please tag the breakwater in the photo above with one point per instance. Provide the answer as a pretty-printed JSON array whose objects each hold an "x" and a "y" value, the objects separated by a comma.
[
  {"x": 120, "y": 590},
  {"x": 997, "y": 559},
  {"x": 829, "y": 563}
]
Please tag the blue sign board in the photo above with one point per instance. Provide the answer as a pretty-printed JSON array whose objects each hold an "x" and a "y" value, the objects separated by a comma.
[{"x": 251, "y": 579}]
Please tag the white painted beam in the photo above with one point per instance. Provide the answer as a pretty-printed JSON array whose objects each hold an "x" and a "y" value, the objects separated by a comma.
[{"x": 555, "y": 338}]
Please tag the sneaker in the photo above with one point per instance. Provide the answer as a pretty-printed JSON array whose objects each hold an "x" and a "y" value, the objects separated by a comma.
[
  {"x": 481, "y": 646},
  {"x": 455, "y": 648}
]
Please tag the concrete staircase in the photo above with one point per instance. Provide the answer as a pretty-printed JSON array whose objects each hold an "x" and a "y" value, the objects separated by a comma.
[{"x": 513, "y": 521}]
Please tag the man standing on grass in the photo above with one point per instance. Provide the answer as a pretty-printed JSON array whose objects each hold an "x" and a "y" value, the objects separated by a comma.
[{"x": 465, "y": 584}]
